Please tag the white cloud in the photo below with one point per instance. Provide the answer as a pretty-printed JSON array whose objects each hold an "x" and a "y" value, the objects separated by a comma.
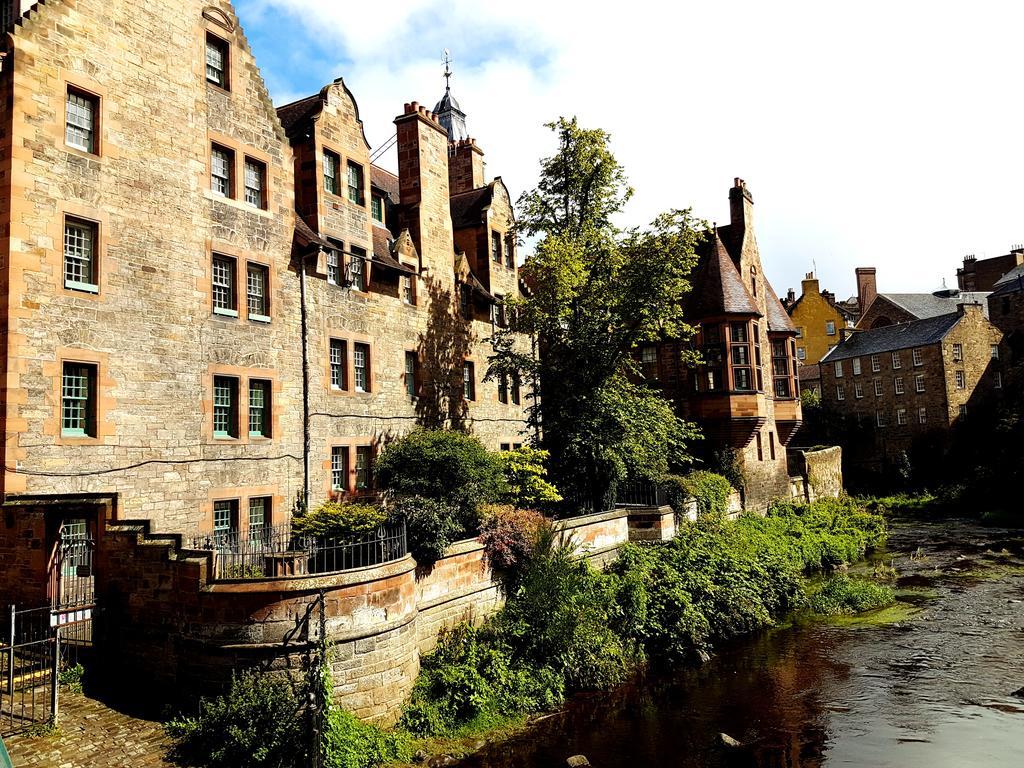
[{"x": 878, "y": 134}]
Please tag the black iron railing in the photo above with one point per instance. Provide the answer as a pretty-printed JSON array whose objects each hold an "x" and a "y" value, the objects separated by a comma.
[
  {"x": 266, "y": 552},
  {"x": 640, "y": 493}
]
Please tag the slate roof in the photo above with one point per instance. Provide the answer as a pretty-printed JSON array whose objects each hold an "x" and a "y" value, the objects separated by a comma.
[
  {"x": 809, "y": 372},
  {"x": 468, "y": 207},
  {"x": 298, "y": 111},
  {"x": 385, "y": 181},
  {"x": 382, "y": 251},
  {"x": 922, "y": 305},
  {"x": 307, "y": 236},
  {"x": 918, "y": 333},
  {"x": 778, "y": 319},
  {"x": 1011, "y": 282},
  {"x": 717, "y": 287}
]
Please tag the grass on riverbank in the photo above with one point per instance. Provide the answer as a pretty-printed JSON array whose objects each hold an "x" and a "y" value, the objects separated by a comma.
[{"x": 843, "y": 595}]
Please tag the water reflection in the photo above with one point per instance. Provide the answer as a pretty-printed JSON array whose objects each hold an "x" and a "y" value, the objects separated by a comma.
[{"x": 928, "y": 692}]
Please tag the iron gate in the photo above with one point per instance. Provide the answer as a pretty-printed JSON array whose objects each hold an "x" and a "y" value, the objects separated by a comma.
[
  {"x": 29, "y": 661},
  {"x": 73, "y": 592}
]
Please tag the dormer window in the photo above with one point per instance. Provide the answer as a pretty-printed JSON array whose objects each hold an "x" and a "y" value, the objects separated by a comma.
[
  {"x": 331, "y": 164},
  {"x": 217, "y": 59},
  {"x": 377, "y": 208}
]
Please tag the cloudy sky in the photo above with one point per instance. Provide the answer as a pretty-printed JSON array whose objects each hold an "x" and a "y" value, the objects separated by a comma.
[{"x": 882, "y": 134}]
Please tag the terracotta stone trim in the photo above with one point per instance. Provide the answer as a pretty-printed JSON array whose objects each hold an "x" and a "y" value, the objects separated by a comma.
[{"x": 305, "y": 583}]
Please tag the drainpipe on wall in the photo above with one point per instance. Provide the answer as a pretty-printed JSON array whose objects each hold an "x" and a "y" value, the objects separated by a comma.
[{"x": 305, "y": 377}]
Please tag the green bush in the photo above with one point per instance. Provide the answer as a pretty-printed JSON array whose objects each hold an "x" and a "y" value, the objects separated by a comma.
[
  {"x": 350, "y": 743},
  {"x": 257, "y": 724},
  {"x": 525, "y": 474},
  {"x": 845, "y": 595},
  {"x": 341, "y": 520},
  {"x": 431, "y": 526},
  {"x": 442, "y": 465},
  {"x": 711, "y": 491}
]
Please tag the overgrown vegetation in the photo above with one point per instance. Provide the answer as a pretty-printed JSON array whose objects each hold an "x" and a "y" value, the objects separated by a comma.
[
  {"x": 711, "y": 491},
  {"x": 341, "y": 520},
  {"x": 843, "y": 595}
]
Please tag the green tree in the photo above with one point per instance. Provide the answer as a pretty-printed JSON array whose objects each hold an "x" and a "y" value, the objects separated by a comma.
[{"x": 597, "y": 294}]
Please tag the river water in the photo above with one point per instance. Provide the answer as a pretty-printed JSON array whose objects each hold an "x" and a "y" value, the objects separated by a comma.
[{"x": 926, "y": 684}]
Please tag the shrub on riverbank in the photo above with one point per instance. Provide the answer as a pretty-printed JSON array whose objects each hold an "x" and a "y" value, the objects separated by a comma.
[
  {"x": 711, "y": 492},
  {"x": 843, "y": 595}
]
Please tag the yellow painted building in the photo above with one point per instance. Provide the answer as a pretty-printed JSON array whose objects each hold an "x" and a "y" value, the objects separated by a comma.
[{"x": 818, "y": 320}]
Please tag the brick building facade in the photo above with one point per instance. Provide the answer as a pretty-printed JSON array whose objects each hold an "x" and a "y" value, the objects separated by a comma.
[
  {"x": 983, "y": 274},
  {"x": 745, "y": 395},
  {"x": 902, "y": 387},
  {"x": 209, "y": 304}
]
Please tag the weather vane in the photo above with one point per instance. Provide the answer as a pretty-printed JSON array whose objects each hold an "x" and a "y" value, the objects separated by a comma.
[{"x": 447, "y": 70}]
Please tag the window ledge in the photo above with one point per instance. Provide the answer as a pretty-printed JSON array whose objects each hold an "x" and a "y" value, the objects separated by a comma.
[
  {"x": 225, "y": 312},
  {"x": 259, "y": 436},
  {"x": 76, "y": 433},
  {"x": 259, "y": 318},
  {"x": 73, "y": 285},
  {"x": 224, "y": 436}
]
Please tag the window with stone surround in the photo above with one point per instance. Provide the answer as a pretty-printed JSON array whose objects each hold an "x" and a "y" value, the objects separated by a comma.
[
  {"x": 355, "y": 183},
  {"x": 801, "y": 353},
  {"x": 881, "y": 419},
  {"x": 919, "y": 383},
  {"x": 856, "y": 366},
  {"x": 225, "y": 407},
  {"x": 411, "y": 365},
  {"x": 878, "y": 387},
  {"x": 994, "y": 350},
  {"x": 259, "y": 408},
  {"x": 78, "y": 399},
  {"x": 259, "y": 517},
  {"x": 465, "y": 301},
  {"x": 339, "y": 468},
  {"x": 357, "y": 268},
  {"x": 876, "y": 364},
  {"x": 901, "y": 416},
  {"x": 364, "y": 467},
  {"x": 961, "y": 380},
  {"x": 510, "y": 253},
  {"x": 918, "y": 358},
  {"x": 80, "y": 246},
  {"x": 496, "y": 247},
  {"x": 468, "y": 381},
  {"x": 502, "y": 387},
  {"x": 225, "y": 517},
  {"x": 840, "y": 392},
  {"x": 830, "y": 328},
  {"x": 897, "y": 362},
  {"x": 332, "y": 166},
  {"x": 81, "y": 120},
  {"x": 218, "y": 61},
  {"x": 839, "y": 369},
  {"x": 649, "y": 361},
  {"x": 377, "y": 208},
  {"x": 223, "y": 286},
  {"x": 408, "y": 290},
  {"x": 958, "y": 353},
  {"x": 222, "y": 163},
  {"x": 780, "y": 369},
  {"x": 361, "y": 366},
  {"x": 334, "y": 263},
  {"x": 339, "y": 364},
  {"x": 739, "y": 357},
  {"x": 898, "y": 385},
  {"x": 255, "y": 183},
  {"x": 516, "y": 387},
  {"x": 858, "y": 390},
  {"x": 257, "y": 293}
]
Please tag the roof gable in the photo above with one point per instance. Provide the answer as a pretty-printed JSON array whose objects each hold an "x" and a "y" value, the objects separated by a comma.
[{"x": 717, "y": 288}]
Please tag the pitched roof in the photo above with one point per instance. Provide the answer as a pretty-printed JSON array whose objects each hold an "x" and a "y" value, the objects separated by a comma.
[
  {"x": 468, "y": 207},
  {"x": 385, "y": 181},
  {"x": 1011, "y": 282},
  {"x": 293, "y": 114},
  {"x": 922, "y": 305},
  {"x": 809, "y": 372},
  {"x": 917, "y": 333},
  {"x": 778, "y": 319},
  {"x": 306, "y": 236},
  {"x": 382, "y": 251},
  {"x": 717, "y": 286}
]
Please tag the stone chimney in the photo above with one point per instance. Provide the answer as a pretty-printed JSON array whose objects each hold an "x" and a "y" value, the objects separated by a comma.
[
  {"x": 741, "y": 206},
  {"x": 809, "y": 285},
  {"x": 969, "y": 308},
  {"x": 465, "y": 166},
  {"x": 867, "y": 287},
  {"x": 790, "y": 296},
  {"x": 423, "y": 186}
]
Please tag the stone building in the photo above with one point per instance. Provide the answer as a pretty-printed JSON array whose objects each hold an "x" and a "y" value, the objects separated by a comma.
[
  {"x": 891, "y": 308},
  {"x": 203, "y": 317},
  {"x": 818, "y": 318},
  {"x": 984, "y": 274},
  {"x": 744, "y": 396},
  {"x": 902, "y": 387},
  {"x": 1006, "y": 310}
]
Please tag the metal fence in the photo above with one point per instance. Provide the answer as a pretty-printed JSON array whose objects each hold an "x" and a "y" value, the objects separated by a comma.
[
  {"x": 29, "y": 662},
  {"x": 640, "y": 493},
  {"x": 277, "y": 551}
]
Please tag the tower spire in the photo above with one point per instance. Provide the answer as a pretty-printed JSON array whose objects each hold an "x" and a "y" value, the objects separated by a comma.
[
  {"x": 451, "y": 117},
  {"x": 447, "y": 71}
]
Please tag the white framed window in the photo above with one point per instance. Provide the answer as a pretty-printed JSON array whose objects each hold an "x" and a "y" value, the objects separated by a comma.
[
  {"x": 82, "y": 111},
  {"x": 919, "y": 383},
  {"x": 858, "y": 390},
  {"x": 994, "y": 350},
  {"x": 881, "y": 419},
  {"x": 468, "y": 381},
  {"x": 510, "y": 253},
  {"x": 259, "y": 516},
  {"x": 918, "y": 358},
  {"x": 922, "y": 415},
  {"x": 259, "y": 408},
  {"x": 997, "y": 380},
  {"x": 958, "y": 353},
  {"x": 332, "y": 164},
  {"x": 255, "y": 181},
  {"x": 355, "y": 183},
  {"x": 221, "y": 162},
  {"x": 496, "y": 247},
  {"x": 830, "y": 328},
  {"x": 257, "y": 295},
  {"x": 223, "y": 284},
  {"x": 364, "y": 467},
  {"x": 225, "y": 517},
  {"x": 80, "y": 239},
  {"x": 339, "y": 468},
  {"x": 649, "y": 361},
  {"x": 901, "y": 416},
  {"x": 217, "y": 61},
  {"x": 840, "y": 392},
  {"x": 361, "y": 366},
  {"x": 856, "y": 366},
  {"x": 961, "y": 380},
  {"x": 878, "y": 387},
  {"x": 897, "y": 361},
  {"x": 410, "y": 374},
  {"x": 876, "y": 364},
  {"x": 897, "y": 383},
  {"x": 408, "y": 290},
  {"x": 357, "y": 268},
  {"x": 225, "y": 407},
  {"x": 78, "y": 399},
  {"x": 377, "y": 208},
  {"x": 839, "y": 369},
  {"x": 334, "y": 266},
  {"x": 338, "y": 362},
  {"x": 801, "y": 353},
  {"x": 799, "y": 332}
]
